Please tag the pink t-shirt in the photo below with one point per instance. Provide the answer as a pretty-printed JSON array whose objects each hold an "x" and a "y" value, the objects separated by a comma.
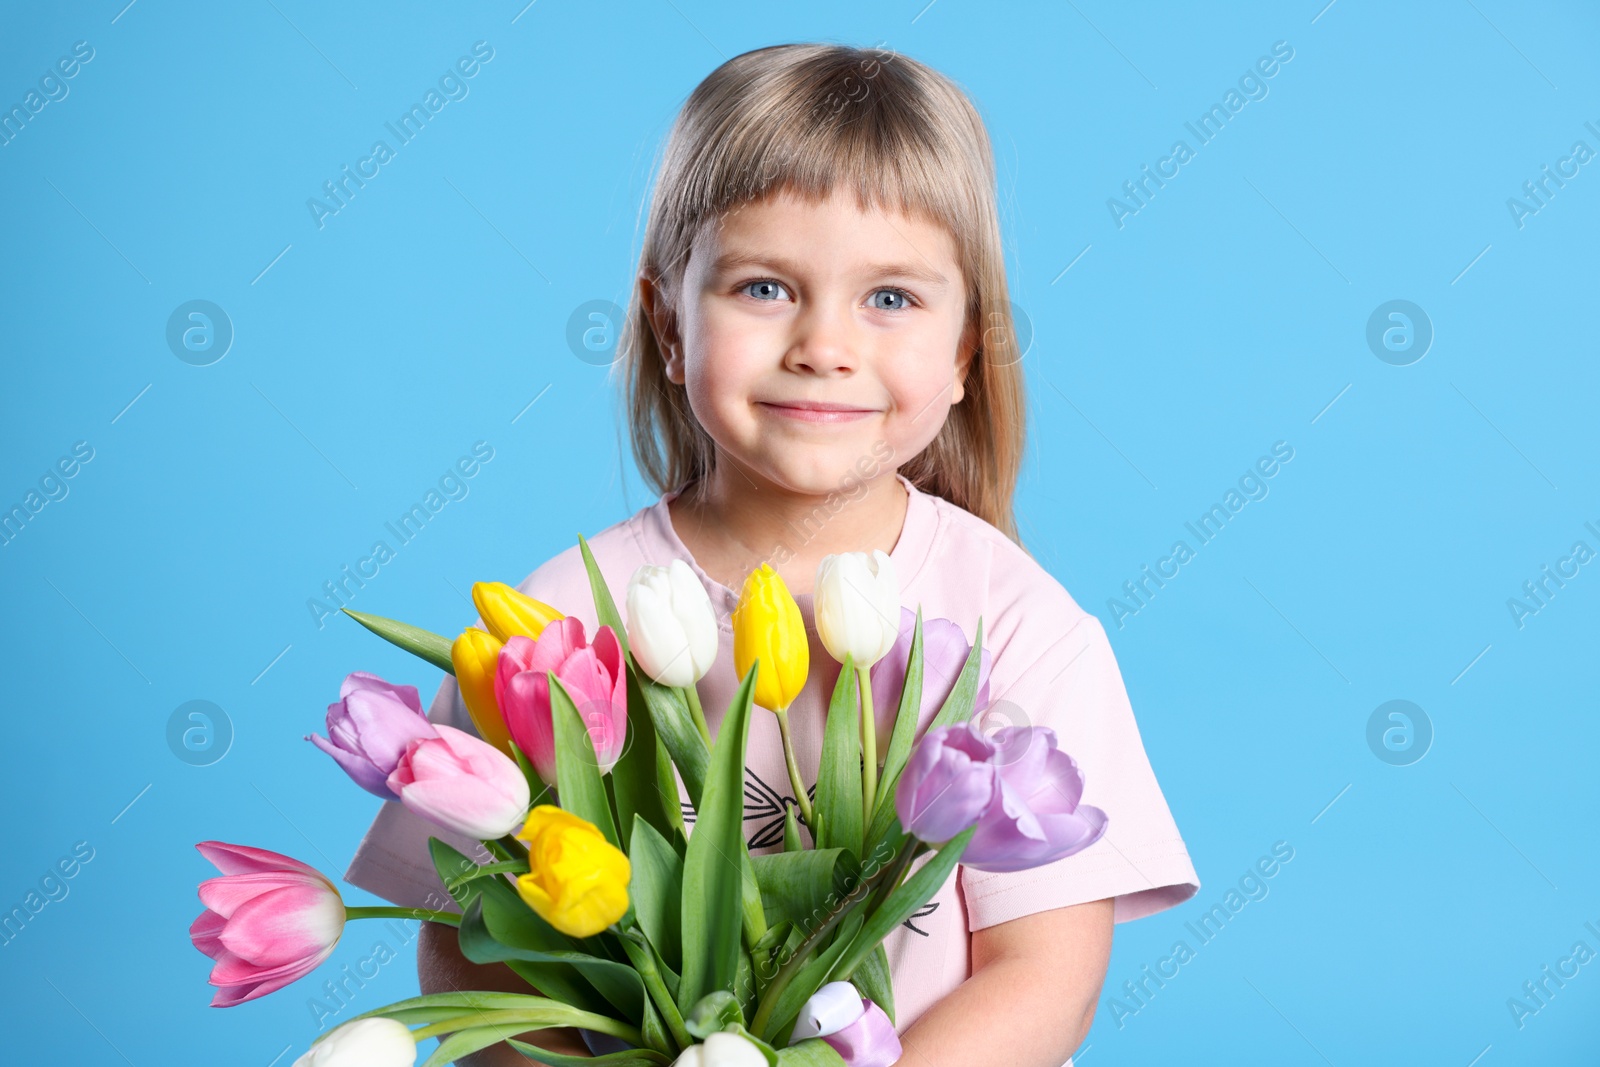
[{"x": 1051, "y": 660}]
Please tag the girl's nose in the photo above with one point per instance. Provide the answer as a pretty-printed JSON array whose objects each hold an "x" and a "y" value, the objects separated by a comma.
[{"x": 823, "y": 344}]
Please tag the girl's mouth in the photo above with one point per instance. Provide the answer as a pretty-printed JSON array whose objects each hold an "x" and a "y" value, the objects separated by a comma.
[{"x": 815, "y": 412}]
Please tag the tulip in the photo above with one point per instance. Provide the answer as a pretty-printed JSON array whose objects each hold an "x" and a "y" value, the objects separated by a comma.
[
  {"x": 858, "y": 615},
  {"x": 269, "y": 920},
  {"x": 475, "y": 656},
  {"x": 1036, "y": 817},
  {"x": 857, "y": 602},
  {"x": 832, "y": 1008},
  {"x": 577, "y": 881},
  {"x": 723, "y": 1049},
  {"x": 767, "y": 626},
  {"x": 672, "y": 630},
  {"x": 870, "y": 1041},
  {"x": 950, "y": 780},
  {"x": 363, "y": 1043},
  {"x": 508, "y": 613},
  {"x": 593, "y": 676},
  {"x": 944, "y": 652},
  {"x": 461, "y": 783},
  {"x": 370, "y": 727},
  {"x": 768, "y": 629}
]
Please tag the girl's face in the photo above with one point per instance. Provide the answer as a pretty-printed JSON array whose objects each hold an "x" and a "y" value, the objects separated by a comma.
[{"x": 819, "y": 344}]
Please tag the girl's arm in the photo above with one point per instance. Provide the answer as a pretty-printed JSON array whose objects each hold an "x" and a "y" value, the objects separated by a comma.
[
  {"x": 1032, "y": 993},
  {"x": 441, "y": 968}
]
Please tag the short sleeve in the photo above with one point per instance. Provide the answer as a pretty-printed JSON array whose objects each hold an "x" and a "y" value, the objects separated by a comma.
[{"x": 1075, "y": 688}]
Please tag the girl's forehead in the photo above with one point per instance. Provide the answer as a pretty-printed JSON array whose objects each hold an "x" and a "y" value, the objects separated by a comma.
[{"x": 772, "y": 217}]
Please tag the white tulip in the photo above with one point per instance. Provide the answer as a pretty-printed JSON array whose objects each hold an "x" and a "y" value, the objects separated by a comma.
[
  {"x": 722, "y": 1049},
  {"x": 830, "y": 1009},
  {"x": 364, "y": 1043},
  {"x": 857, "y": 606},
  {"x": 671, "y": 627}
]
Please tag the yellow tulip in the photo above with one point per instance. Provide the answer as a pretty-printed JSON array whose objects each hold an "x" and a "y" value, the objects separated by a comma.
[
  {"x": 577, "y": 881},
  {"x": 508, "y": 613},
  {"x": 767, "y": 626},
  {"x": 475, "y": 655}
]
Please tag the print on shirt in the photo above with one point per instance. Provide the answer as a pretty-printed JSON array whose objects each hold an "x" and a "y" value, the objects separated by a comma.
[{"x": 766, "y": 806}]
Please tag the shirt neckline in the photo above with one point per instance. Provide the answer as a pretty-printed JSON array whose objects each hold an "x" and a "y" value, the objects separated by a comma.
[{"x": 910, "y": 551}]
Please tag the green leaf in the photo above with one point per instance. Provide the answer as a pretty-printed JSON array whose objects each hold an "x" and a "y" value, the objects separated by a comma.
[
  {"x": 634, "y": 779},
  {"x": 792, "y": 841},
  {"x": 812, "y": 1052},
  {"x": 419, "y": 642},
  {"x": 839, "y": 776},
  {"x": 716, "y": 861},
  {"x": 497, "y": 1026},
  {"x": 958, "y": 706},
  {"x": 669, "y": 714},
  {"x": 605, "y": 608},
  {"x": 628, "y": 1058},
  {"x": 496, "y": 931},
  {"x": 911, "y": 895},
  {"x": 796, "y": 886},
  {"x": 554, "y": 980},
  {"x": 872, "y": 979},
  {"x": 905, "y": 727},
  {"x": 656, "y": 889},
  {"x": 712, "y": 1013},
  {"x": 578, "y": 781},
  {"x": 813, "y": 974}
]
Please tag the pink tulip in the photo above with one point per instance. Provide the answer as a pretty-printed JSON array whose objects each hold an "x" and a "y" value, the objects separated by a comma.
[
  {"x": 462, "y": 783},
  {"x": 870, "y": 1041},
  {"x": 593, "y": 676},
  {"x": 268, "y": 921}
]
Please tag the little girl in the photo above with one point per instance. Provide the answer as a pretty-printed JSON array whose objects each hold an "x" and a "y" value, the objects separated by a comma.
[{"x": 819, "y": 358}]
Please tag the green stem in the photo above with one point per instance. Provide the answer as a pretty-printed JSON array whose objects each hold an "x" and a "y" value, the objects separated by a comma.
[
  {"x": 531, "y": 1019},
  {"x": 644, "y": 961},
  {"x": 403, "y": 913},
  {"x": 869, "y": 747},
  {"x": 900, "y": 866},
  {"x": 692, "y": 692},
  {"x": 503, "y": 867},
  {"x": 794, "y": 770}
]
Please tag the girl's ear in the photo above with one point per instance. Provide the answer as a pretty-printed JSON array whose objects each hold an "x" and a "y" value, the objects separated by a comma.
[
  {"x": 965, "y": 353},
  {"x": 663, "y": 323}
]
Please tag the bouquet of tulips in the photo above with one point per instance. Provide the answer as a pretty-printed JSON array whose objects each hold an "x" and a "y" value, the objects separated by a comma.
[{"x": 662, "y": 946}]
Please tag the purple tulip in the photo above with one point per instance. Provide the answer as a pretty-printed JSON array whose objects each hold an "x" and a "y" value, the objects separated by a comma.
[
  {"x": 1036, "y": 817},
  {"x": 369, "y": 728},
  {"x": 949, "y": 781},
  {"x": 870, "y": 1041},
  {"x": 944, "y": 652}
]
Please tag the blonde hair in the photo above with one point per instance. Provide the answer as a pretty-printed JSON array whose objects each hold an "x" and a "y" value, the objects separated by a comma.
[{"x": 803, "y": 119}]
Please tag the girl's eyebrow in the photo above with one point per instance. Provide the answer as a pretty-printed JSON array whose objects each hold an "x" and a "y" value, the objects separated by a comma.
[{"x": 731, "y": 260}]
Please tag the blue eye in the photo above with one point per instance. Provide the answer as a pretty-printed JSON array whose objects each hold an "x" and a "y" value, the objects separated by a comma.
[
  {"x": 766, "y": 289},
  {"x": 894, "y": 294}
]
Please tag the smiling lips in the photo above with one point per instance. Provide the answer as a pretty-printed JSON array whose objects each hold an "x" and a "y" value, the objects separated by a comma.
[{"x": 817, "y": 411}]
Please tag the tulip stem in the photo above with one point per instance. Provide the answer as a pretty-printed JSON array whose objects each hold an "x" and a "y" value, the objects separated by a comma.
[
  {"x": 692, "y": 693},
  {"x": 403, "y": 913},
  {"x": 644, "y": 961},
  {"x": 505, "y": 867},
  {"x": 532, "y": 1018},
  {"x": 869, "y": 747},
  {"x": 800, "y": 796}
]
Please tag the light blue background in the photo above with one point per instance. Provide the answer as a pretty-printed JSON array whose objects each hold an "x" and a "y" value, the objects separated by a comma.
[{"x": 1226, "y": 315}]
